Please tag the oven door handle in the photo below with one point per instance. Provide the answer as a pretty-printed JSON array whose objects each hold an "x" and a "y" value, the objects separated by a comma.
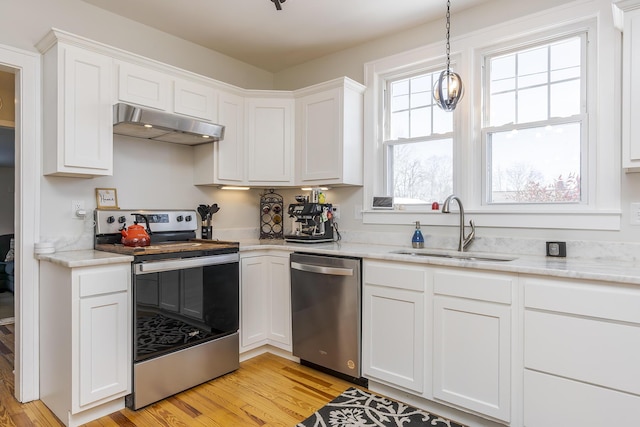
[
  {"x": 179, "y": 264},
  {"x": 310, "y": 268}
]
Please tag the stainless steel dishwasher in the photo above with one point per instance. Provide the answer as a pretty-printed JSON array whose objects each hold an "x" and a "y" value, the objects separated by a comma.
[{"x": 326, "y": 301}]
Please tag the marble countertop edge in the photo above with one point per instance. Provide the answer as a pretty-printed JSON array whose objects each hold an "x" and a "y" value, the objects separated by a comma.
[
  {"x": 605, "y": 270},
  {"x": 568, "y": 268},
  {"x": 84, "y": 258}
]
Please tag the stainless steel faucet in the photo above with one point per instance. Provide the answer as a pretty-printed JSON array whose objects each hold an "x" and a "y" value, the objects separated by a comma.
[{"x": 464, "y": 240}]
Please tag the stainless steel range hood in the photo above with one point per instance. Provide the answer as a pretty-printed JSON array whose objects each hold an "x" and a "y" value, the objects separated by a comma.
[{"x": 145, "y": 123}]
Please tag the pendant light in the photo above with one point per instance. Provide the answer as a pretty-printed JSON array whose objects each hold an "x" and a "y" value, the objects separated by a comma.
[
  {"x": 278, "y": 3},
  {"x": 448, "y": 90}
]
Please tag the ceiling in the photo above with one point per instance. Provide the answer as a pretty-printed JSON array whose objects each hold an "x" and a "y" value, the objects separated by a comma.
[{"x": 255, "y": 32}]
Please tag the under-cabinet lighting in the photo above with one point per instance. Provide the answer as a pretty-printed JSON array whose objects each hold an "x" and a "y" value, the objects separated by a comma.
[
  {"x": 232, "y": 187},
  {"x": 316, "y": 188}
]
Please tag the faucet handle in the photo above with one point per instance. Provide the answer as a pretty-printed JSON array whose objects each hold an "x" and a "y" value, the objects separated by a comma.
[{"x": 469, "y": 238}]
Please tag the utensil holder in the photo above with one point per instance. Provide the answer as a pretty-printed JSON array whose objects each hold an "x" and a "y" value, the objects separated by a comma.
[{"x": 207, "y": 232}]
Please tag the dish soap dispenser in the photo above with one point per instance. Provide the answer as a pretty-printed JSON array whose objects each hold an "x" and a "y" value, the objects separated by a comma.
[{"x": 417, "y": 241}]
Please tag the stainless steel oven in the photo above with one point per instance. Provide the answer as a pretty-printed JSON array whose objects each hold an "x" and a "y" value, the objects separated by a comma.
[{"x": 185, "y": 304}]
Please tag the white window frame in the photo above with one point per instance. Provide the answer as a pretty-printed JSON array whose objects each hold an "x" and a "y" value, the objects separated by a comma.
[
  {"x": 388, "y": 144},
  {"x": 582, "y": 117},
  {"x": 601, "y": 210}
]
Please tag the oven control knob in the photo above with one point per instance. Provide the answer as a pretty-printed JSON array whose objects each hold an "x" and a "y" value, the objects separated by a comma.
[
  {"x": 188, "y": 218},
  {"x": 110, "y": 220},
  {"x": 122, "y": 219},
  {"x": 179, "y": 218}
]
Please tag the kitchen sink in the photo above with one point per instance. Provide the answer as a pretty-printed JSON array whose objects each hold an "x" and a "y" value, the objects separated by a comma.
[{"x": 465, "y": 256}]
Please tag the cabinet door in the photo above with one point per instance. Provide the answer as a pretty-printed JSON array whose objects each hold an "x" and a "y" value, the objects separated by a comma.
[
  {"x": 472, "y": 353},
  {"x": 230, "y": 152},
  {"x": 103, "y": 346},
  {"x": 143, "y": 86},
  {"x": 270, "y": 141},
  {"x": 280, "y": 301},
  {"x": 253, "y": 328},
  {"x": 195, "y": 100},
  {"x": 393, "y": 336},
  {"x": 631, "y": 86},
  {"x": 81, "y": 117},
  {"x": 320, "y": 137}
]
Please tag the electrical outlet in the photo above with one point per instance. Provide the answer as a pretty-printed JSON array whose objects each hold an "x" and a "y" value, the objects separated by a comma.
[
  {"x": 336, "y": 211},
  {"x": 634, "y": 214},
  {"x": 77, "y": 205}
]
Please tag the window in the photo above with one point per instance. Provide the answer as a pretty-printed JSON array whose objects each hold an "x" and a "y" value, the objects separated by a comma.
[
  {"x": 535, "y": 123},
  {"x": 418, "y": 141},
  {"x": 533, "y": 144}
]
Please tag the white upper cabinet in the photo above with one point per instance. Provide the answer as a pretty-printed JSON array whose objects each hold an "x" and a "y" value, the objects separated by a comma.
[
  {"x": 269, "y": 141},
  {"x": 78, "y": 135},
  {"x": 628, "y": 20},
  {"x": 329, "y": 133},
  {"x": 195, "y": 100},
  {"x": 223, "y": 162},
  {"x": 155, "y": 89},
  {"x": 143, "y": 86}
]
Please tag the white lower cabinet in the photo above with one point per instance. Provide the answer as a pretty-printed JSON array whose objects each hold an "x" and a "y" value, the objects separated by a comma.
[
  {"x": 443, "y": 334},
  {"x": 266, "y": 301},
  {"x": 85, "y": 340},
  {"x": 581, "y": 352},
  {"x": 394, "y": 324},
  {"x": 472, "y": 341}
]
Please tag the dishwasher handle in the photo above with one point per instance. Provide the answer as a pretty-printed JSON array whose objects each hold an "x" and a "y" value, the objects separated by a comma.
[{"x": 310, "y": 268}]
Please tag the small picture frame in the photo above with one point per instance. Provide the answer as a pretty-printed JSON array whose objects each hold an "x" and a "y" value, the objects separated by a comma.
[{"x": 107, "y": 198}]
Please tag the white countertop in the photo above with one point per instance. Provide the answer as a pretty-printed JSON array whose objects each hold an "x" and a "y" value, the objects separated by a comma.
[
  {"x": 84, "y": 258},
  {"x": 588, "y": 269}
]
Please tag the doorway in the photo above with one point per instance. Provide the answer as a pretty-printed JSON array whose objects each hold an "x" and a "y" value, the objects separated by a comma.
[
  {"x": 7, "y": 197},
  {"x": 25, "y": 68}
]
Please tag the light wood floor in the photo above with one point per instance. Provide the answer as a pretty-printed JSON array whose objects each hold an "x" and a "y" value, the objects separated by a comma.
[{"x": 266, "y": 391}]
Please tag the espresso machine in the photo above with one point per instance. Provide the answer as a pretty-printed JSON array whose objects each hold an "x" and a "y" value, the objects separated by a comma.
[{"x": 312, "y": 223}]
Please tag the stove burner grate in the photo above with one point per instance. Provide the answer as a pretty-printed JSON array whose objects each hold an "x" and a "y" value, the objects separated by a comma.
[{"x": 158, "y": 334}]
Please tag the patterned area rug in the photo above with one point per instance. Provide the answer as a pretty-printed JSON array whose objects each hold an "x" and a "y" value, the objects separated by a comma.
[{"x": 357, "y": 408}]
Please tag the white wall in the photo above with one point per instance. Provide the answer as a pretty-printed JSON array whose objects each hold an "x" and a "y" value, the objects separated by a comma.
[
  {"x": 7, "y": 201},
  {"x": 350, "y": 62},
  {"x": 24, "y": 22},
  {"x": 146, "y": 175}
]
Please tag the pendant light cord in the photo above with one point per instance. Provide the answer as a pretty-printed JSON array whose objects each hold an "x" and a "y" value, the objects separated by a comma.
[{"x": 448, "y": 44}]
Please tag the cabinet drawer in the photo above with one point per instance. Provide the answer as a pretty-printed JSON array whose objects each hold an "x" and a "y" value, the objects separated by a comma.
[
  {"x": 593, "y": 351},
  {"x": 557, "y": 402},
  {"x": 587, "y": 299},
  {"x": 395, "y": 275},
  {"x": 96, "y": 281},
  {"x": 473, "y": 285}
]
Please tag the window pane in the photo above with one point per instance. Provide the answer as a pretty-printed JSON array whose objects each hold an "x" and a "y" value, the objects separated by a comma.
[
  {"x": 420, "y": 99},
  {"x": 547, "y": 83},
  {"x": 400, "y": 87},
  {"x": 566, "y": 55},
  {"x": 420, "y": 122},
  {"x": 532, "y": 105},
  {"x": 422, "y": 172},
  {"x": 399, "y": 125},
  {"x": 502, "y": 74},
  {"x": 399, "y": 103},
  {"x": 503, "y": 109},
  {"x": 411, "y": 108},
  {"x": 538, "y": 165},
  {"x": 533, "y": 62},
  {"x": 565, "y": 99},
  {"x": 442, "y": 122}
]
